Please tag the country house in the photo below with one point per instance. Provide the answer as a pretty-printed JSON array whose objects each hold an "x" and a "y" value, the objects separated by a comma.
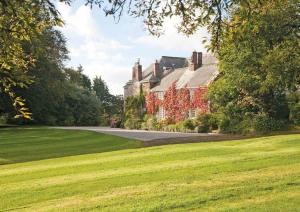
[{"x": 198, "y": 71}]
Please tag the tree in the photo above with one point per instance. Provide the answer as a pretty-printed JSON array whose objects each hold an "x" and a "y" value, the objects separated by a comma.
[
  {"x": 20, "y": 22},
  {"x": 259, "y": 62},
  {"x": 80, "y": 107},
  {"x": 134, "y": 111},
  {"x": 76, "y": 76},
  {"x": 112, "y": 106},
  {"x": 117, "y": 109},
  {"x": 45, "y": 94},
  {"x": 105, "y": 98},
  {"x": 102, "y": 91},
  {"x": 56, "y": 97}
]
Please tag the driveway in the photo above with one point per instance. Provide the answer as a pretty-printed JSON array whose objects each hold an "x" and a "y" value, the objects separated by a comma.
[{"x": 141, "y": 135}]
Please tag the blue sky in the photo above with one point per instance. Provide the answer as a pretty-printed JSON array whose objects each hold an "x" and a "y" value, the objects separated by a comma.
[{"x": 108, "y": 49}]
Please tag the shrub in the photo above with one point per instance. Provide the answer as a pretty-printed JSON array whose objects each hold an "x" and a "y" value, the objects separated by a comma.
[
  {"x": 51, "y": 120},
  {"x": 295, "y": 113},
  {"x": 264, "y": 124},
  {"x": 133, "y": 123},
  {"x": 3, "y": 119},
  {"x": 188, "y": 124},
  {"x": 69, "y": 121},
  {"x": 170, "y": 128},
  {"x": 115, "y": 122},
  {"x": 294, "y": 107},
  {"x": 161, "y": 124},
  {"x": 150, "y": 123},
  {"x": 202, "y": 123},
  {"x": 213, "y": 121},
  {"x": 179, "y": 127}
]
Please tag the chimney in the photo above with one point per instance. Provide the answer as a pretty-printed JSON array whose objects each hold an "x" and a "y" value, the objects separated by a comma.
[
  {"x": 133, "y": 73},
  {"x": 199, "y": 59},
  {"x": 194, "y": 57},
  {"x": 156, "y": 71},
  {"x": 196, "y": 61},
  {"x": 137, "y": 71}
]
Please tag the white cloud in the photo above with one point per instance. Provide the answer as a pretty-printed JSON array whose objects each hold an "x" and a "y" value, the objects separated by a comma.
[
  {"x": 88, "y": 46},
  {"x": 172, "y": 40},
  {"x": 79, "y": 22},
  {"x": 115, "y": 75}
]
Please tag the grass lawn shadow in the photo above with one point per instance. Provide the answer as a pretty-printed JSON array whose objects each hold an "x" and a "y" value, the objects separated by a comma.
[{"x": 29, "y": 144}]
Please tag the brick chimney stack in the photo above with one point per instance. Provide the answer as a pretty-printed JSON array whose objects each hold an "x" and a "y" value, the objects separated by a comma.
[
  {"x": 199, "y": 59},
  {"x": 137, "y": 71},
  {"x": 196, "y": 61},
  {"x": 194, "y": 57},
  {"x": 156, "y": 70}
]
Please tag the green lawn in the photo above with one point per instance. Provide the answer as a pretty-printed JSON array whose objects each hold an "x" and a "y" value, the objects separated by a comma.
[
  {"x": 29, "y": 144},
  {"x": 54, "y": 170}
]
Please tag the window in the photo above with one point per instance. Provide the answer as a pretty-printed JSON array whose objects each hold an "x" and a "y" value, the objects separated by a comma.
[
  {"x": 161, "y": 113},
  {"x": 192, "y": 113},
  {"x": 160, "y": 95}
]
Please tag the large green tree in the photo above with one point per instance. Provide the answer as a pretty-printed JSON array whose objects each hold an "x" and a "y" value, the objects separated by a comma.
[
  {"x": 78, "y": 77},
  {"x": 58, "y": 95},
  {"x": 102, "y": 91},
  {"x": 259, "y": 62},
  {"x": 21, "y": 22},
  {"x": 111, "y": 105}
]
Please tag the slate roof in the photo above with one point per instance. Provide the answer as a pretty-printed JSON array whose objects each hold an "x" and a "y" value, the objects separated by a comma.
[
  {"x": 192, "y": 79},
  {"x": 166, "y": 62},
  {"x": 172, "y": 62}
]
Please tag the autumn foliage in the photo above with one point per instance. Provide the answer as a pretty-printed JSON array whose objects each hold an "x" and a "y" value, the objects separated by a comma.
[
  {"x": 184, "y": 103},
  {"x": 170, "y": 103},
  {"x": 178, "y": 102},
  {"x": 198, "y": 101},
  {"x": 152, "y": 103}
]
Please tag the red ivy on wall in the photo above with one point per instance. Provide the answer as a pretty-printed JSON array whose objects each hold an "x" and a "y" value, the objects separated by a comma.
[
  {"x": 170, "y": 103},
  {"x": 152, "y": 103},
  {"x": 178, "y": 102},
  {"x": 184, "y": 103},
  {"x": 198, "y": 100}
]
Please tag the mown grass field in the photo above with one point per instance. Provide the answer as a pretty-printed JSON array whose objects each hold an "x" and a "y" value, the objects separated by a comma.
[{"x": 58, "y": 170}]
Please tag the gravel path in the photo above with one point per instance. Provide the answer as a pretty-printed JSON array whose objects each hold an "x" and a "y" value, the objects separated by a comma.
[{"x": 142, "y": 135}]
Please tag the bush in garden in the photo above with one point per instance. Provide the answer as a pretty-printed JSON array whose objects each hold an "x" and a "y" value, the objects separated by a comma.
[
  {"x": 202, "y": 123},
  {"x": 264, "y": 124},
  {"x": 115, "y": 122},
  {"x": 3, "y": 119},
  {"x": 295, "y": 114},
  {"x": 133, "y": 123},
  {"x": 213, "y": 121},
  {"x": 150, "y": 123},
  {"x": 294, "y": 107},
  {"x": 188, "y": 124}
]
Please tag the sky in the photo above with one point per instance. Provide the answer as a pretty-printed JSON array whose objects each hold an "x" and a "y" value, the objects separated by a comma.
[{"x": 109, "y": 49}]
